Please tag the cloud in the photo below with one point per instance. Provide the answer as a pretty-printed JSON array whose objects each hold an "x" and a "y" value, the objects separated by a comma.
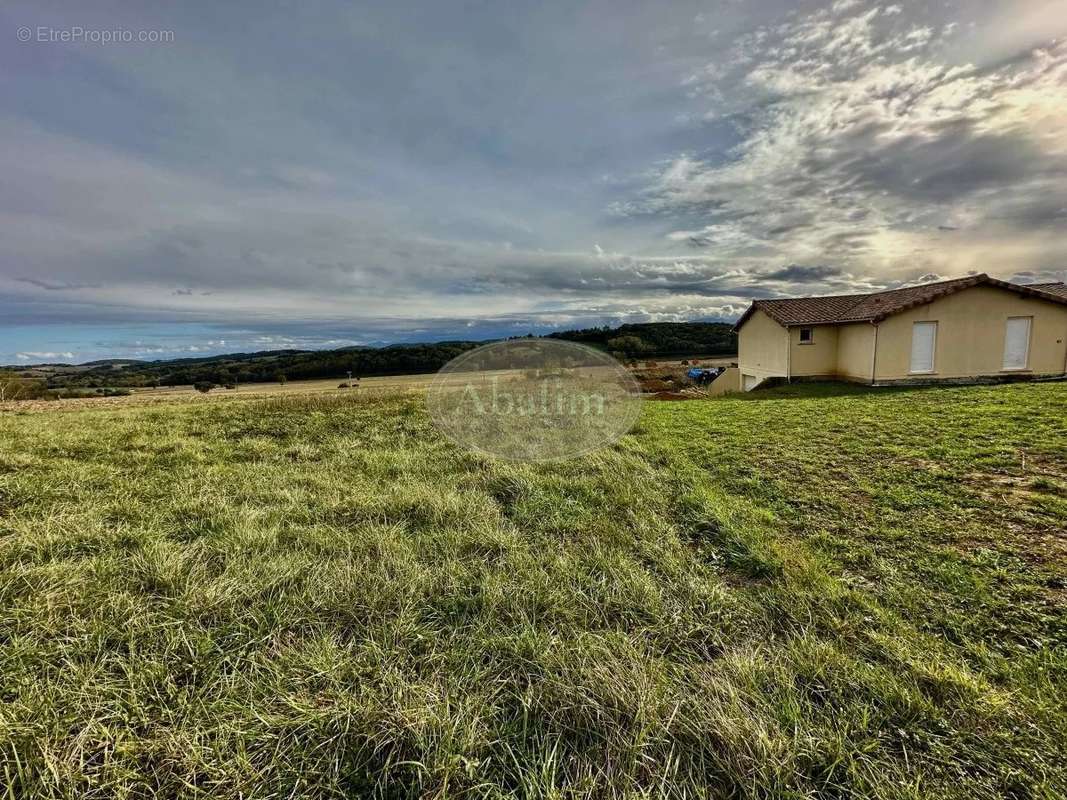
[
  {"x": 57, "y": 286},
  {"x": 930, "y": 277},
  {"x": 42, "y": 356},
  {"x": 240, "y": 255},
  {"x": 295, "y": 176},
  {"x": 843, "y": 5},
  {"x": 801, "y": 274},
  {"x": 236, "y": 191},
  {"x": 856, "y": 141}
]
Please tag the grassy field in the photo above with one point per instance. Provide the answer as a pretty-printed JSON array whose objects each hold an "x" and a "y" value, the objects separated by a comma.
[
  {"x": 809, "y": 592},
  {"x": 374, "y": 386}
]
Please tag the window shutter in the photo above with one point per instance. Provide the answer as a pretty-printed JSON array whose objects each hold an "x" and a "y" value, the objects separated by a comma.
[
  {"x": 1016, "y": 342},
  {"x": 923, "y": 339}
]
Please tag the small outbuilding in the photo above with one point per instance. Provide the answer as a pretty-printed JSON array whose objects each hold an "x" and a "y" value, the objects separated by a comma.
[{"x": 968, "y": 329}]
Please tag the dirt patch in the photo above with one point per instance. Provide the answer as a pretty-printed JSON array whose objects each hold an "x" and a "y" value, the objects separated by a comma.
[
  {"x": 1045, "y": 466},
  {"x": 1026, "y": 529},
  {"x": 653, "y": 385},
  {"x": 674, "y": 396}
]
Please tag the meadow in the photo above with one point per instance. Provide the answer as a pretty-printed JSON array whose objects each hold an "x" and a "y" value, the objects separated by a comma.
[{"x": 814, "y": 591}]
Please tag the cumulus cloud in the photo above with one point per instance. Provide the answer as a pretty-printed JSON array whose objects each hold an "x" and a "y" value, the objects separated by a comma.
[
  {"x": 860, "y": 146},
  {"x": 43, "y": 356}
]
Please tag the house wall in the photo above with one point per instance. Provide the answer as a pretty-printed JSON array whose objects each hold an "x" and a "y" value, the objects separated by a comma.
[
  {"x": 761, "y": 347},
  {"x": 855, "y": 351},
  {"x": 727, "y": 383},
  {"x": 970, "y": 335},
  {"x": 819, "y": 357}
]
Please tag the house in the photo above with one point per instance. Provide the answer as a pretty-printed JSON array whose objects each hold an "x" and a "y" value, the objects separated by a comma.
[{"x": 968, "y": 329}]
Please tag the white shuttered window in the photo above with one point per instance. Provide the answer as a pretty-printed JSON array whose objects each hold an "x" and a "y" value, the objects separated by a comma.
[
  {"x": 923, "y": 342},
  {"x": 1016, "y": 342}
]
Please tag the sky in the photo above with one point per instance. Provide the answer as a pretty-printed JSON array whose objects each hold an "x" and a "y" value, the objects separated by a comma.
[{"x": 196, "y": 178}]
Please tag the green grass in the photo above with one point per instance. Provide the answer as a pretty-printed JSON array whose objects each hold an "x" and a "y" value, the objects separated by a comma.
[{"x": 811, "y": 592}]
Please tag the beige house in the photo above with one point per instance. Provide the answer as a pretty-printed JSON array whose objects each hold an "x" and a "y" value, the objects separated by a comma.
[{"x": 973, "y": 328}]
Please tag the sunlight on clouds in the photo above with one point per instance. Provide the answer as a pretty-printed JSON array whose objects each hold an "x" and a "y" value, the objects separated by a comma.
[{"x": 861, "y": 144}]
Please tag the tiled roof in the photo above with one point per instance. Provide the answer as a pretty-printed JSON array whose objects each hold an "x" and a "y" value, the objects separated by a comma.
[
  {"x": 1052, "y": 288},
  {"x": 807, "y": 310},
  {"x": 877, "y": 306}
]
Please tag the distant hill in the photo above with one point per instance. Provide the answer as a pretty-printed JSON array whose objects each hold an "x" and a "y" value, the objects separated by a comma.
[
  {"x": 116, "y": 363},
  {"x": 641, "y": 340}
]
